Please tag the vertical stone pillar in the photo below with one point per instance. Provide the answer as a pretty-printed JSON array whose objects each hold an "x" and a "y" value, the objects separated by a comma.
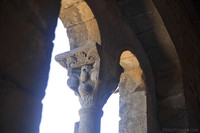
[
  {"x": 90, "y": 120},
  {"x": 83, "y": 66},
  {"x": 133, "y": 98}
]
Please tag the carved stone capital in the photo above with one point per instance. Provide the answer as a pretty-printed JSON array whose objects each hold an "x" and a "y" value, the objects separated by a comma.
[
  {"x": 83, "y": 66},
  {"x": 92, "y": 88},
  {"x": 78, "y": 57}
]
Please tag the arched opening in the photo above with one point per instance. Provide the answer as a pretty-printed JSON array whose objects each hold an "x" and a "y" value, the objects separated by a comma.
[
  {"x": 133, "y": 99},
  {"x": 83, "y": 29},
  {"x": 60, "y": 111}
]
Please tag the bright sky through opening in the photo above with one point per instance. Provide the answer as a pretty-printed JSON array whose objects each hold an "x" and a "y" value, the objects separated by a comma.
[{"x": 60, "y": 105}]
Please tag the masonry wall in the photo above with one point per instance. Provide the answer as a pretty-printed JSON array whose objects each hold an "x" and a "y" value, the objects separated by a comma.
[
  {"x": 27, "y": 30},
  {"x": 169, "y": 33},
  {"x": 182, "y": 20}
]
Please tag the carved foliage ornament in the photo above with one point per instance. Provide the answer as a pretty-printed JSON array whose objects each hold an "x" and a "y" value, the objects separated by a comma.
[
  {"x": 83, "y": 70},
  {"x": 78, "y": 57}
]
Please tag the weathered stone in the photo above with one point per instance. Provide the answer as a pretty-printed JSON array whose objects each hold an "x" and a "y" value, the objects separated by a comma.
[
  {"x": 133, "y": 104},
  {"x": 128, "y": 60},
  {"x": 78, "y": 57},
  {"x": 84, "y": 33},
  {"x": 133, "y": 125},
  {"x": 77, "y": 14},
  {"x": 67, "y": 3},
  {"x": 174, "y": 101},
  {"x": 134, "y": 7},
  {"x": 27, "y": 31},
  {"x": 13, "y": 100},
  {"x": 159, "y": 55},
  {"x": 181, "y": 20},
  {"x": 132, "y": 96},
  {"x": 168, "y": 83},
  {"x": 144, "y": 22},
  {"x": 167, "y": 86},
  {"x": 150, "y": 38},
  {"x": 131, "y": 81},
  {"x": 173, "y": 117}
]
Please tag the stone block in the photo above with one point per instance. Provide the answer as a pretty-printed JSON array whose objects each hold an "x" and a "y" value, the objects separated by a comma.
[
  {"x": 164, "y": 68},
  {"x": 84, "y": 33},
  {"x": 160, "y": 55},
  {"x": 76, "y": 14},
  {"x": 145, "y": 21},
  {"x": 173, "y": 117},
  {"x": 131, "y": 81},
  {"x": 135, "y": 7},
  {"x": 133, "y": 105},
  {"x": 157, "y": 37},
  {"x": 133, "y": 125},
  {"x": 128, "y": 61},
  {"x": 169, "y": 83},
  {"x": 175, "y": 101},
  {"x": 67, "y": 3}
]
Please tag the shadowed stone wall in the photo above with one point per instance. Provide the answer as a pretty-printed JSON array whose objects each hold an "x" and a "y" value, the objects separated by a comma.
[
  {"x": 27, "y": 30},
  {"x": 182, "y": 20},
  {"x": 161, "y": 39}
]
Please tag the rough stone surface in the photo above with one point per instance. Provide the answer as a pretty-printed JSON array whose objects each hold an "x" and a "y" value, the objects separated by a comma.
[
  {"x": 67, "y": 3},
  {"x": 182, "y": 20},
  {"x": 133, "y": 112},
  {"x": 133, "y": 106},
  {"x": 82, "y": 27},
  {"x": 128, "y": 61},
  {"x": 76, "y": 14},
  {"x": 27, "y": 31},
  {"x": 84, "y": 33},
  {"x": 20, "y": 109},
  {"x": 154, "y": 37}
]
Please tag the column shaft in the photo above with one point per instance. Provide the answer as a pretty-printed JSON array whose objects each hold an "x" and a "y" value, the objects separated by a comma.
[{"x": 90, "y": 121}]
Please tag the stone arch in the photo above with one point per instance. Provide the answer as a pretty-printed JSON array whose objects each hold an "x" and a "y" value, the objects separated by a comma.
[
  {"x": 112, "y": 37},
  {"x": 80, "y": 23},
  {"x": 149, "y": 29},
  {"x": 151, "y": 44}
]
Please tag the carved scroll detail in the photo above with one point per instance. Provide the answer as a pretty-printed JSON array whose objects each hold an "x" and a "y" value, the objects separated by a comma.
[
  {"x": 79, "y": 56},
  {"x": 83, "y": 70}
]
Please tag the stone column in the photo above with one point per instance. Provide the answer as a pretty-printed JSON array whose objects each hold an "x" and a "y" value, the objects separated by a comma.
[{"x": 83, "y": 66}]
